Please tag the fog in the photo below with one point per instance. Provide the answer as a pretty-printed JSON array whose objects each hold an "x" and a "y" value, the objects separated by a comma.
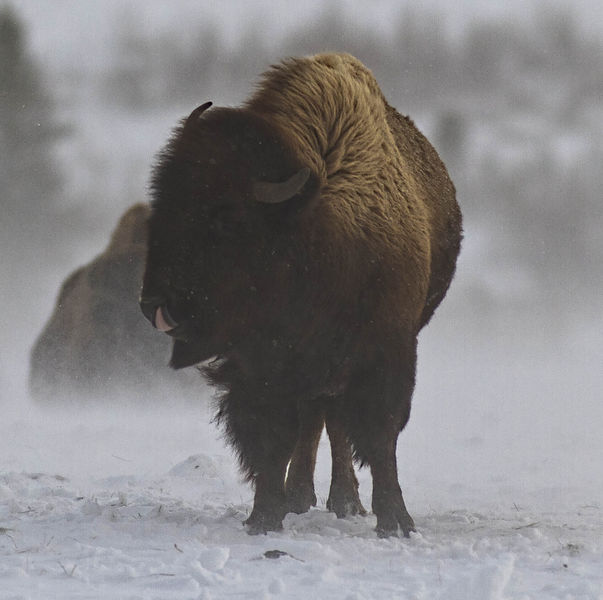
[{"x": 508, "y": 400}]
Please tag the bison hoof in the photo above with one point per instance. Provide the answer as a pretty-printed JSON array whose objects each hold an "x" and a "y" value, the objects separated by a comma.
[
  {"x": 391, "y": 525},
  {"x": 300, "y": 500},
  {"x": 262, "y": 523},
  {"x": 345, "y": 503}
]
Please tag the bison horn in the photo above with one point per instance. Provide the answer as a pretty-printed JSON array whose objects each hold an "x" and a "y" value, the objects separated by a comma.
[
  {"x": 194, "y": 116},
  {"x": 275, "y": 193}
]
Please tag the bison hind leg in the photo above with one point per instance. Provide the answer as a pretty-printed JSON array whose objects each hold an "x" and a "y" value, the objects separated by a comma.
[
  {"x": 299, "y": 486},
  {"x": 300, "y": 498},
  {"x": 343, "y": 495},
  {"x": 379, "y": 400},
  {"x": 343, "y": 499}
]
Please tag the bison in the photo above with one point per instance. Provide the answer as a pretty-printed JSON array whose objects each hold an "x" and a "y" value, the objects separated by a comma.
[
  {"x": 303, "y": 240},
  {"x": 96, "y": 342}
]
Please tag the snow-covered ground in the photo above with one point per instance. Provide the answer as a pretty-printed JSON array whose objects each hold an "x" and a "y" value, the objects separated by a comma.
[{"x": 501, "y": 467}]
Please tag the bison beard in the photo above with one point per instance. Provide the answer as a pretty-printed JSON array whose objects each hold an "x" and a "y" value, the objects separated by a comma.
[{"x": 304, "y": 240}]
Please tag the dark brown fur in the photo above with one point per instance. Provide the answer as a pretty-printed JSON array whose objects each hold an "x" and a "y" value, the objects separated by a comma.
[
  {"x": 314, "y": 304},
  {"x": 96, "y": 342}
]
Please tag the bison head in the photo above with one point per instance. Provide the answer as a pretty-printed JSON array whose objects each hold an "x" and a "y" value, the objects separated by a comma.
[{"x": 227, "y": 193}]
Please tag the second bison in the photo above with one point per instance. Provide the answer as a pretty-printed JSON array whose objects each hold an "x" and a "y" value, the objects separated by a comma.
[
  {"x": 96, "y": 344},
  {"x": 304, "y": 239}
]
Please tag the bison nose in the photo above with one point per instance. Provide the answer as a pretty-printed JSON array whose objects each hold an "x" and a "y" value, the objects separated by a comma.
[
  {"x": 149, "y": 305},
  {"x": 156, "y": 311}
]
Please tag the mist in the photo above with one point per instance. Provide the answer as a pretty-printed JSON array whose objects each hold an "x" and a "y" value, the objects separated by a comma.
[{"x": 507, "y": 409}]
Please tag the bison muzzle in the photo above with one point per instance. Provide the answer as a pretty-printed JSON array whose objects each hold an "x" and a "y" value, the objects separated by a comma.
[{"x": 303, "y": 240}]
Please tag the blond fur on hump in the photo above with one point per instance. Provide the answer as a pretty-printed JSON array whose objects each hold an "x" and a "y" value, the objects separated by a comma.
[
  {"x": 327, "y": 102},
  {"x": 332, "y": 110}
]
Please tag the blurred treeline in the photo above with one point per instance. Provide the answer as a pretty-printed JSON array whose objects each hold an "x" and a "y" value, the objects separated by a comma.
[
  {"x": 515, "y": 109},
  {"x": 32, "y": 185}
]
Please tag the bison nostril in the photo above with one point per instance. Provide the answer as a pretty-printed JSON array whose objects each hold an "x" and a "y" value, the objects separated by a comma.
[
  {"x": 155, "y": 309},
  {"x": 163, "y": 320},
  {"x": 149, "y": 305}
]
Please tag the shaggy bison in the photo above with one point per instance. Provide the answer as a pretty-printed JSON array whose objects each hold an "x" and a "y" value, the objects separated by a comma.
[
  {"x": 96, "y": 342},
  {"x": 304, "y": 240}
]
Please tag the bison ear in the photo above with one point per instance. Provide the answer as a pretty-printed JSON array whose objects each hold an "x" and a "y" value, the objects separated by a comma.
[
  {"x": 302, "y": 184},
  {"x": 185, "y": 355}
]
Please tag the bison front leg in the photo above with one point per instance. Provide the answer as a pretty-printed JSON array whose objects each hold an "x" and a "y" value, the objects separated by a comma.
[
  {"x": 269, "y": 504},
  {"x": 263, "y": 433},
  {"x": 379, "y": 402}
]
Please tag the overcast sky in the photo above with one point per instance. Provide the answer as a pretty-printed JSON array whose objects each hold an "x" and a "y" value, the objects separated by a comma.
[{"x": 59, "y": 29}]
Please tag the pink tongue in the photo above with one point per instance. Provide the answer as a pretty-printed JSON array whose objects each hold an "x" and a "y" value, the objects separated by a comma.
[{"x": 160, "y": 322}]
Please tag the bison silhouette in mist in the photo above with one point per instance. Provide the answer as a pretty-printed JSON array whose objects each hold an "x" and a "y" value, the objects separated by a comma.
[
  {"x": 303, "y": 239},
  {"x": 96, "y": 344}
]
